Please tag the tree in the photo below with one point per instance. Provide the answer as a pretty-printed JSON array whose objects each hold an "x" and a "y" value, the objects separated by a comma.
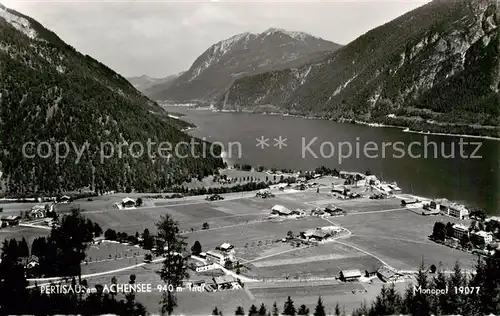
[
  {"x": 239, "y": 311},
  {"x": 465, "y": 241},
  {"x": 110, "y": 234},
  {"x": 23, "y": 248},
  {"x": 418, "y": 303},
  {"x": 39, "y": 247},
  {"x": 147, "y": 240},
  {"x": 361, "y": 311},
  {"x": 440, "y": 304},
  {"x": 288, "y": 308},
  {"x": 138, "y": 202},
  {"x": 432, "y": 268},
  {"x": 196, "y": 248},
  {"x": 303, "y": 310},
  {"x": 473, "y": 226},
  {"x": 174, "y": 265},
  {"x": 477, "y": 241},
  {"x": 132, "y": 279},
  {"x": 457, "y": 301},
  {"x": 320, "y": 309},
  {"x": 97, "y": 230},
  {"x": 487, "y": 279},
  {"x": 69, "y": 242},
  {"x": 289, "y": 234},
  {"x": 262, "y": 310},
  {"x": 388, "y": 302},
  {"x": 481, "y": 226},
  {"x": 12, "y": 280},
  {"x": 253, "y": 311},
  {"x": 216, "y": 311},
  {"x": 449, "y": 230},
  {"x": 439, "y": 231},
  {"x": 276, "y": 311},
  {"x": 228, "y": 264},
  {"x": 205, "y": 226},
  {"x": 114, "y": 282},
  {"x": 337, "y": 310}
]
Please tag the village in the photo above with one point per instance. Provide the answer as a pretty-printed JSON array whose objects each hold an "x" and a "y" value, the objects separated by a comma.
[{"x": 344, "y": 235}]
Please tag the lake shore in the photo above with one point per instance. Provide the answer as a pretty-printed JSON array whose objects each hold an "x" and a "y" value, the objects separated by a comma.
[{"x": 371, "y": 124}]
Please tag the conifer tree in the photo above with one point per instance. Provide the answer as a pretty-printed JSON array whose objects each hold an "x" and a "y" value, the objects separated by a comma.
[
  {"x": 239, "y": 311},
  {"x": 253, "y": 310},
  {"x": 288, "y": 308},
  {"x": 303, "y": 310},
  {"x": 215, "y": 311},
  {"x": 276, "y": 311},
  {"x": 262, "y": 310},
  {"x": 320, "y": 309}
]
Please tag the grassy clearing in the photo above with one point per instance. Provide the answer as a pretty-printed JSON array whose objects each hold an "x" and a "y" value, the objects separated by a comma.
[
  {"x": 301, "y": 291},
  {"x": 16, "y": 208},
  {"x": 266, "y": 249},
  {"x": 191, "y": 215},
  {"x": 313, "y": 269},
  {"x": 18, "y": 232},
  {"x": 401, "y": 239},
  {"x": 250, "y": 235},
  {"x": 408, "y": 255}
]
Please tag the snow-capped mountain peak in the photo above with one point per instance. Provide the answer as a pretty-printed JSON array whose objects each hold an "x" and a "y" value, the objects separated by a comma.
[
  {"x": 295, "y": 35},
  {"x": 242, "y": 55}
]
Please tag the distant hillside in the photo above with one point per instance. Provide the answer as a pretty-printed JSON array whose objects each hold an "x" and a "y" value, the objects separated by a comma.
[
  {"x": 239, "y": 56},
  {"x": 143, "y": 83},
  {"x": 51, "y": 93},
  {"x": 435, "y": 68}
]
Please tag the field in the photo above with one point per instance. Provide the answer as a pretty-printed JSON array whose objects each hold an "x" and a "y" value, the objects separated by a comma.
[
  {"x": 403, "y": 246},
  {"x": 110, "y": 256},
  {"x": 15, "y": 208},
  {"x": 191, "y": 214},
  {"x": 18, "y": 232},
  {"x": 380, "y": 232},
  {"x": 251, "y": 234}
]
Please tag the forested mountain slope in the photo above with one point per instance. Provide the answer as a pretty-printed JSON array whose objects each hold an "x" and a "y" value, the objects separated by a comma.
[
  {"x": 51, "y": 93},
  {"x": 435, "y": 68}
]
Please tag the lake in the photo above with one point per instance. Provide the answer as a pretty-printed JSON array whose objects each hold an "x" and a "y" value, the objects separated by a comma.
[{"x": 461, "y": 169}]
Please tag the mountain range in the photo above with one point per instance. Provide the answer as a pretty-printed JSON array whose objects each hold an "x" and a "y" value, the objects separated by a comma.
[
  {"x": 239, "y": 56},
  {"x": 436, "y": 68},
  {"x": 144, "y": 82},
  {"x": 51, "y": 93}
]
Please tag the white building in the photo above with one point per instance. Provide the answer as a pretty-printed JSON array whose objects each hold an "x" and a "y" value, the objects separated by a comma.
[
  {"x": 218, "y": 257},
  {"x": 458, "y": 211},
  {"x": 128, "y": 202},
  {"x": 451, "y": 209},
  {"x": 280, "y": 210},
  {"x": 485, "y": 236},
  {"x": 460, "y": 230},
  {"x": 227, "y": 247}
]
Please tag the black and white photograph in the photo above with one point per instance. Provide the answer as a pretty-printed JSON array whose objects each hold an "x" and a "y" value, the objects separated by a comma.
[{"x": 250, "y": 157}]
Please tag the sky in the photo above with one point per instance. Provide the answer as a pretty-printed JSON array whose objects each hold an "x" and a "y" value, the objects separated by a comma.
[{"x": 160, "y": 38}]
